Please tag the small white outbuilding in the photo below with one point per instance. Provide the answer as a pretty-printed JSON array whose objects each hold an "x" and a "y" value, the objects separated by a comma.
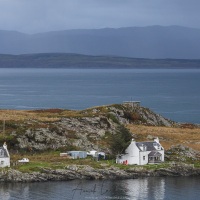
[
  {"x": 77, "y": 154},
  {"x": 96, "y": 154},
  {"x": 4, "y": 156},
  {"x": 142, "y": 153}
]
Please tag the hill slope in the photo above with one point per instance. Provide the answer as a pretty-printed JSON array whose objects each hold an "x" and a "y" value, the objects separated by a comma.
[
  {"x": 64, "y": 60},
  {"x": 140, "y": 42},
  {"x": 64, "y": 129}
]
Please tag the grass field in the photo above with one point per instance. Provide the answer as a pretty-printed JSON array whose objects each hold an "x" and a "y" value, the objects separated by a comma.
[
  {"x": 168, "y": 136},
  {"x": 40, "y": 115}
]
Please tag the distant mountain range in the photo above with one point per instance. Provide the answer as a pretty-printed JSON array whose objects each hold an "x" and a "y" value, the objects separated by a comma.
[
  {"x": 64, "y": 60},
  {"x": 137, "y": 42}
]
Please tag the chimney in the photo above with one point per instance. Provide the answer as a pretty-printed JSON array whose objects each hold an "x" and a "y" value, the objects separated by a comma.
[
  {"x": 5, "y": 147},
  {"x": 156, "y": 140}
]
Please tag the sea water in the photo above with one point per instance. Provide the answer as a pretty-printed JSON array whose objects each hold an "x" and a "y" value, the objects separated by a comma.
[
  {"x": 173, "y": 93},
  {"x": 152, "y": 188}
]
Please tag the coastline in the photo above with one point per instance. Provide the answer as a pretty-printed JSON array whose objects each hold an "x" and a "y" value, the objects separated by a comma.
[{"x": 85, "y": 172}]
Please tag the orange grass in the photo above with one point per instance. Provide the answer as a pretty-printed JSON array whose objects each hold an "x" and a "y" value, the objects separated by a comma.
[
  {"x": 168, "y": 136},
  {"x": 40, "y": 115}
]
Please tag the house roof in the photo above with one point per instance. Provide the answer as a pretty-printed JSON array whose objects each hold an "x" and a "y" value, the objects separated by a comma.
[
  {"x": 3, "y": 153},
  {"x": 150, "y": 146}
]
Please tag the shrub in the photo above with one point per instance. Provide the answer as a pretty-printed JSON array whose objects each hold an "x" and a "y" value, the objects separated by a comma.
[
  {"x": 132, "y": 116},
  {"x": 113, "y": 118},
  {"x": 121, "y": 140}
]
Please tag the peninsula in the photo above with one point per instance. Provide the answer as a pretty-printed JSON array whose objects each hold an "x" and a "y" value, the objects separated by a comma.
[
  {"x": 41, "y": 135},
  {"x": 69, "y": 60}
]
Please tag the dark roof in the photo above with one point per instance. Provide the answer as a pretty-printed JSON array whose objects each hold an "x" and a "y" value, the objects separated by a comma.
[
  {"x": 150, "y": 146},
  {"x": 5, "y": 154},
  {"x": 154, "y": 154}
]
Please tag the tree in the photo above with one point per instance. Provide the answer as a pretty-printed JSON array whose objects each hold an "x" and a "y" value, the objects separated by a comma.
[{"x": 120, "y": 140}]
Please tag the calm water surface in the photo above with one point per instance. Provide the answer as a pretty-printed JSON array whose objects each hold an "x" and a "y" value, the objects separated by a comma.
[
  {"x": 171, "y": 188},
  {"x": 173, "y": 93}
]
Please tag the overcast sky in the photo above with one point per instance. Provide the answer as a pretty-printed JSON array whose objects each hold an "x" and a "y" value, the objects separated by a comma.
[{"x": 32, "y": 16}]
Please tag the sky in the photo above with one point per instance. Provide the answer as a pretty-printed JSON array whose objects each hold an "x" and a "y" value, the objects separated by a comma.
[{"x": 34, "y": 16}]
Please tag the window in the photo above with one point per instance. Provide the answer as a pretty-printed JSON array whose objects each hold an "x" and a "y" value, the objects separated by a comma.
[
  {"x": 2, "y": 162},
  {"x": 143, "y": 157},
  {"x": 1, "y": 153}
]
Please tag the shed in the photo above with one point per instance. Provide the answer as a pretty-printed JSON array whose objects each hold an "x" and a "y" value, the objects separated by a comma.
[
  {"x": 77, "y": 154},
  {"x": 96, "y": 154}
]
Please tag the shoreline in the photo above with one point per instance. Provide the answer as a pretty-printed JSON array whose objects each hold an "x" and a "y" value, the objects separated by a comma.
[{"x": 85, "y": 172}]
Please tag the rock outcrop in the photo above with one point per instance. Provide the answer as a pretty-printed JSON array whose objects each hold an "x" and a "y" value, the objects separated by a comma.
[
  {"x": 85, "y": 130},
  {"x": 89, "y": 173},
  {"x": 181, "y": 153}
]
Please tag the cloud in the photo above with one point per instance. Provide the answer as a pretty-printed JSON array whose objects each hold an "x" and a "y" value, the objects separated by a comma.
[{"x": 47, "y": 15}]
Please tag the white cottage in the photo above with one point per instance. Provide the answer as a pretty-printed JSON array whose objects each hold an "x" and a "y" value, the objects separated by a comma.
[
  {"x": 4, "y": 156},
  {"x": 142, "y": 153}
]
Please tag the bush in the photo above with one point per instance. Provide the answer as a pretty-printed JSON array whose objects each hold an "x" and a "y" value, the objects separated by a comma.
[
  {"x": 132, "y": 116},
  {"x": 113, "y": 118},
  {"x": 120, "y": 140}
]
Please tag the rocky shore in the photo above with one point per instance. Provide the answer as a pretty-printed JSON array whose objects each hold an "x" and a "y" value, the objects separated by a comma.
[{"x": 74, "y": 172}]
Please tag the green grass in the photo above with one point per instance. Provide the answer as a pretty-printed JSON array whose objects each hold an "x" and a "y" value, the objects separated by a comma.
[
  {"x": 32, "y": 166},
  {"x": 36, "y": 166},
  {"x": 157, "y": 166},
  {"x": 197, "y": 165},
  {"x": 53, "y": 160},
  {"x": 57, "y": 163}
]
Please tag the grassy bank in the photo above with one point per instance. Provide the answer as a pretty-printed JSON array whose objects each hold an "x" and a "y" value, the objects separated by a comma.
[
  {"x": 53, "y": 160},
  {"x": 168, "y": 135}
]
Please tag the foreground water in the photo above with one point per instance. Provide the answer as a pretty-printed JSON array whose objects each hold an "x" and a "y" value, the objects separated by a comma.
[
  {"x": 183, "y": 188},
  {"x": 172, "y": 93}
]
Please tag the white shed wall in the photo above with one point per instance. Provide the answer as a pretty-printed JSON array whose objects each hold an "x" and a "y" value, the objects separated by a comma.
[
  {"x": 131, "y": 155},
  {"x": 143, "y": 157},
  {"x": 4, "y": 162},
  {"x": 162, "y": 158}
]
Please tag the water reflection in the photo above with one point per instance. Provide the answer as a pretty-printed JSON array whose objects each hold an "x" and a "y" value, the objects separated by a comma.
[
  {"x": 147, "y": 188},
  {"x": 134, "y": 189},
  {"x": 14, "y": 191},
  {"x": 4, "y": 194}
]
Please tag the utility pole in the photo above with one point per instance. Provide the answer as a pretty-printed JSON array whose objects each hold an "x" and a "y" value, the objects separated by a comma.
[
  {"x": 132, "y": 103},
  {"x": 97, "y": 143},
  {"x": 97, "y": 150}
]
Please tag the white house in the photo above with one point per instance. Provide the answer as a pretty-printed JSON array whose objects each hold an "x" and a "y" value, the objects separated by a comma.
[
  {"x": 4, "y": 156},
  {"x": 142, "y": 153}
]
